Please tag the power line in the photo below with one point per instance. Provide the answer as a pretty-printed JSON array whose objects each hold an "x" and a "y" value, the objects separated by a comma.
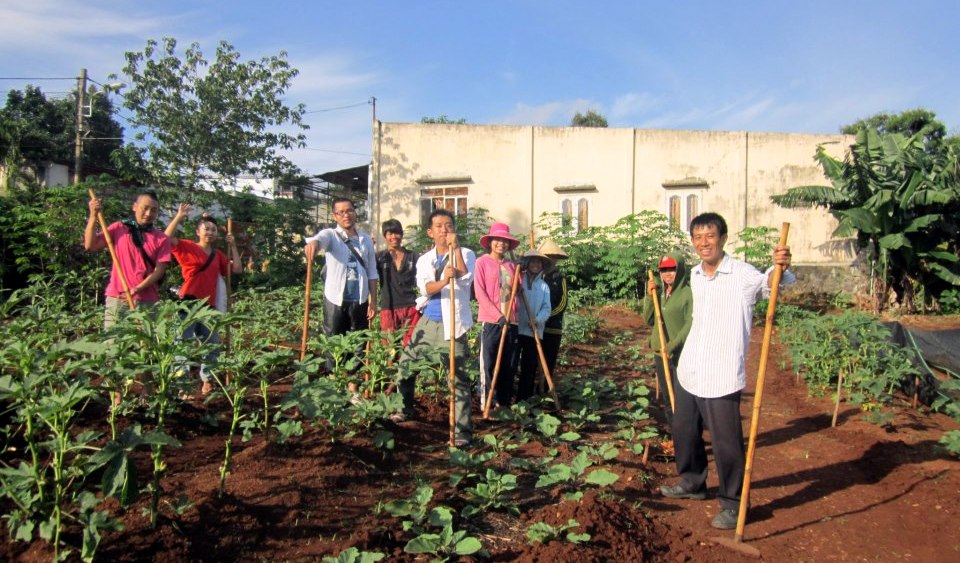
[
  {"x": 38, "y": 78},
  {"x": 358, "y": 104},
  {"x": 338, "y": 152}
]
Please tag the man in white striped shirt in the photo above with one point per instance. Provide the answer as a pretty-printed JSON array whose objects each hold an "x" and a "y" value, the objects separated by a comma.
[{"x": 711, "y": 369}]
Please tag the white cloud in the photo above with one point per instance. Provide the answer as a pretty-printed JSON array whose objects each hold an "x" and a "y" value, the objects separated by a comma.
[
  {"x": 550, "y": 113},
  {"x": 332, "y": 74},
  {"x": 632, "y": 104},
  {"x": 57, "y": 25}
]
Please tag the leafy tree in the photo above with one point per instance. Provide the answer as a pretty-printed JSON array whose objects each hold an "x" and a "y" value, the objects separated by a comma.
[
  {"x": 899, "y": 197},
  {"x": 35, "y": 130},
  {"x": 590, "y": 119},
  {"x": 207, "y": 121},
  {"x": 906, "y": 123},
  {"x": 442, "y": 119}
]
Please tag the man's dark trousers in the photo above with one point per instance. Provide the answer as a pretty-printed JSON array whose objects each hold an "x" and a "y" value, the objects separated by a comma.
[
  {"x": 341, "y": 319},
  {"x": 722, "y": 417}
]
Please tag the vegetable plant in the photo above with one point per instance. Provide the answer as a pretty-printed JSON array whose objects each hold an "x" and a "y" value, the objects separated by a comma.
[
  {"x": 160, "y": 354},
  {"x": 491, "y": 492},
  {"x": 541, "y": 532}
]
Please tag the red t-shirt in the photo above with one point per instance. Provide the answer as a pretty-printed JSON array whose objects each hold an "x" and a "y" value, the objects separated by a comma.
[
  {"x": 202, "y": 285},
  {"x": 135, "y": 269}
]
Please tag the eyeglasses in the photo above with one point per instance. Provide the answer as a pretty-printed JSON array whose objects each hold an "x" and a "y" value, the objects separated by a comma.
[{"x": 347, "y": 212}]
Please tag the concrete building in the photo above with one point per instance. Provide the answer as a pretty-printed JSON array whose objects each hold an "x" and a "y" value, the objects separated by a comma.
[{"x": 597, "y": 176}]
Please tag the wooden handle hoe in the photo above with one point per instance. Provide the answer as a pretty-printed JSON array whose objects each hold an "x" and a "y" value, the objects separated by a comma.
[
  {"x": 306, "y": 311},
  {"x": 113, "y": 255},
  {"x": 229, "y": 280},
  {"x": 453, "y": 347},
  {"x": 663, "y": 346},
  {"x": 737, "y": 542},
  {"x": 503, "y": 339},
  {"x": 230, "y": 266}
]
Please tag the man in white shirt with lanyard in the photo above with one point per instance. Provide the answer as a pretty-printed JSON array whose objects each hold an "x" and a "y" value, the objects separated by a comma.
[
  {"x": 350, "y": 286},
  {"x": 711, "y": 369},
  {"x": 445, "y": 261}
]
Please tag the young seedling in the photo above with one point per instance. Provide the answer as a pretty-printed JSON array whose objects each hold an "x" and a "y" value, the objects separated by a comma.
[
  {"x": 541, "y": 532},
  {"x": 354, "y": 555},
  {"x": 574, "y": 473},
  {"x": 492, "y": 492}
]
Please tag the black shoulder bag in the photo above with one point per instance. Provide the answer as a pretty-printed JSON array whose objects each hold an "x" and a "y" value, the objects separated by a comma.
[{"x": 137, "y": 234}]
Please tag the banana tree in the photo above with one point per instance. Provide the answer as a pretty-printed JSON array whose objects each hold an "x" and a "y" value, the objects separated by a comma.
[{"x": 901, "y": 201}]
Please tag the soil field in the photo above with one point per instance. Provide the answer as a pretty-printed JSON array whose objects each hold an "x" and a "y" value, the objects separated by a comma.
[{"x": 858, "y": 492}]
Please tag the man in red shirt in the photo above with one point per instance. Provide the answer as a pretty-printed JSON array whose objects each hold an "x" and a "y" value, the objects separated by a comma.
[
  {"x": 143, "y": 254},
  {"x": 203, "y": 268}
]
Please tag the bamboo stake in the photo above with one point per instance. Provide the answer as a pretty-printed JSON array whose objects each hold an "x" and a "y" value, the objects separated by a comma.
[
  {"x": 916, "y": 391},
  {"x": 453, "y": 345},
  {"x": 503, "y": 339},
  {"x": 113, "y": 255},
  {"x": 836, "y": 406},
  {"x": 306, "y": 311},
  {"x": 226, "y": 343},
  {"x": 737, "y": 543},
  {"x": 668, "y": 377}
]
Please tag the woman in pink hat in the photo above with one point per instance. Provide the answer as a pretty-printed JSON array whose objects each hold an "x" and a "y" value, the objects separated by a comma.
[{"x": 492, "y": 283}]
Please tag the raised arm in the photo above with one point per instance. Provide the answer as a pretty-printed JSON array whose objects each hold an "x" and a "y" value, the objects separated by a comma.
[
  {"x": 91, "y": 241},
  {"x": 171, "y": 231}
]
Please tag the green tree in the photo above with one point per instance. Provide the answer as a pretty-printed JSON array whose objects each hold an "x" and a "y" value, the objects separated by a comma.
[
  {"x": 35, "y": 130},
  {"x": 906, "y": 123},
  {"x": 196, "y": 120},
  {"x": 442, "y": 119},
  {"x": 899, "y": 197},
  {"x": 589, "y": 119}
]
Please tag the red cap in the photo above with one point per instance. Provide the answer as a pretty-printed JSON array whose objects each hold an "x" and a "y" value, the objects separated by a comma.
[{"x": 667, "y": 262}]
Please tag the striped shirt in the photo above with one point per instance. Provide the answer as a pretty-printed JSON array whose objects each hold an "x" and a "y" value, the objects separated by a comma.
[{"x": 712, "y": 362}]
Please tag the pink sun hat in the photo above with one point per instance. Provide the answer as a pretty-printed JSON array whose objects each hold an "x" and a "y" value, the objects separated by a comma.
[{"x": 502, "y": 231}]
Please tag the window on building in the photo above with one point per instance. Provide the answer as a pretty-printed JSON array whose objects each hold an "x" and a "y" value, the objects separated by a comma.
[
  {"x": 674, "y": 213},
  {"x": 583, "y": 214},
  {"x": 566, "y": 212},
  {"x": 693, "y": 202},
  {"x": 575, "y": 212},
  {"x": 683, "y": 199},
  {"x": 453, "y": 199}
]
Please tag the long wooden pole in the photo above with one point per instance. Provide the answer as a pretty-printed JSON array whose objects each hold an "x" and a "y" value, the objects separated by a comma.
[
  {"x": 306, "y": 311},
  {"x": 453, "y": 345},
  {"x": 229, "y": 280},
  {"x": 758, "y": 394},
  {"x": 113, "y": 254},
  {"x": 663, "y": 345},
  {"x": 230, "y": 263},
  {"x": 503, "y": 339}
]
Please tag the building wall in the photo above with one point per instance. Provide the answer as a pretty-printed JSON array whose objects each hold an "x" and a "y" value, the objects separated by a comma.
[{"x": 517, "y": 173}]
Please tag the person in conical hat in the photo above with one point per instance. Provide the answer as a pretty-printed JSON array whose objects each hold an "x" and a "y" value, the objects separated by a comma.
[
  {"x": 553, "y": 277},
  {"x": 536, "y": 307}
]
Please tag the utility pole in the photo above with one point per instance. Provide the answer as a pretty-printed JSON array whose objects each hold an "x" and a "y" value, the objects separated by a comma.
[
  {"x": 78, "y": 147},
  {"x": 374, "y": 212}
]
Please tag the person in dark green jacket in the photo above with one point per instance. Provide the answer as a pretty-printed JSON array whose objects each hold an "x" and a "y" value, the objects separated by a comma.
[{"x": 676, "y": 305}]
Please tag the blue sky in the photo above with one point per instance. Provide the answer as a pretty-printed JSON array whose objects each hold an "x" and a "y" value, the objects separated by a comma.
[{"x": 805, "y": 67}]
